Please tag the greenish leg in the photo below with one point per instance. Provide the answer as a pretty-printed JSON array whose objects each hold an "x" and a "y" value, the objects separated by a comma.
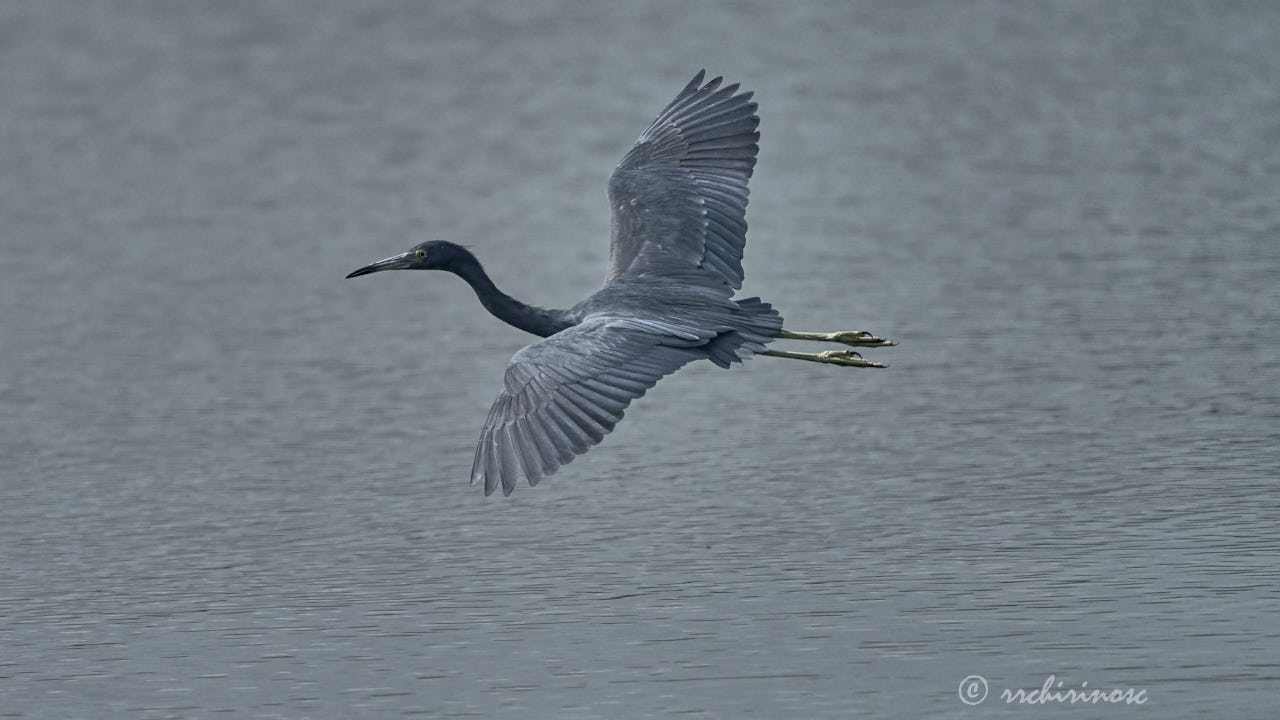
[
  {"x": 847, "y": 358},
  {"x": 856, "y": 338}
]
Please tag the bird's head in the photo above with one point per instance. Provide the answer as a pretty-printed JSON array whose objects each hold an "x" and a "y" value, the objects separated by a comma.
[{"x": 430, "y": 255}]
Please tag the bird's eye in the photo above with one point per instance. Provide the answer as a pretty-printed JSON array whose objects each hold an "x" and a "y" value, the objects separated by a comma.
[{"x": 420, "y": 254}]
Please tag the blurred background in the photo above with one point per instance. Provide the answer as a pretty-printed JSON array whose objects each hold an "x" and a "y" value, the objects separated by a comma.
[{"x": 232, "y": 481}]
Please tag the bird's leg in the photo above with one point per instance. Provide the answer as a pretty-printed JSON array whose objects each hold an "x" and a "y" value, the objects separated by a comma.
[
  {"x": 847, "y": 358},
  {"x": 855, "y": 338}
]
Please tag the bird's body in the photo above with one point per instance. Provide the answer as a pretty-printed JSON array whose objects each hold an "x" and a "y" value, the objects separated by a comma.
[
  {"x": 700, "y": 310},
  {"x": 679, "y": 199}
]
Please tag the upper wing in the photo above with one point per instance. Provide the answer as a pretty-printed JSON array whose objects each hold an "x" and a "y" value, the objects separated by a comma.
[
  {"x": 564, "y": 393},
  {"x": 679, "y": 197}
]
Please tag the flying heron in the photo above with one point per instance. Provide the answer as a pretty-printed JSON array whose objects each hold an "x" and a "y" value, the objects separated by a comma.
[{"x": 679, "y": 200}]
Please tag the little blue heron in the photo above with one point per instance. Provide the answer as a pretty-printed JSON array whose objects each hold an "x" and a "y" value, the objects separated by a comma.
[{"x": 679, "y": 200}]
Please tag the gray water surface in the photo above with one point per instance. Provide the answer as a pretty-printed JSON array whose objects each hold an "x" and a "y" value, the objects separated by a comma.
[{"x": 234, "y": 483}]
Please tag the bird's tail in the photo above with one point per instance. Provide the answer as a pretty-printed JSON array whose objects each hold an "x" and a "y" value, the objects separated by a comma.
[{"x": 757, "y": 325}]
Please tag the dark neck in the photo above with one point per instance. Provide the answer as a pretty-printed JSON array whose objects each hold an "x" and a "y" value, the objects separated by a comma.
[{"x": 506, "y": 308}]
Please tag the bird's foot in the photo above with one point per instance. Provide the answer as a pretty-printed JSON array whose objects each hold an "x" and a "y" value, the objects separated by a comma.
[
  {"x": 847, "y": 358},
  {"x": 860, "y": 338},
  {"x": 855, "y": 338}
]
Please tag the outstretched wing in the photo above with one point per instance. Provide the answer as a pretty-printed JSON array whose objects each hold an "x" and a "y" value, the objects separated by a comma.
[
  {"x": 679, "y": 197},
  {"x": 564, "y": 393}
]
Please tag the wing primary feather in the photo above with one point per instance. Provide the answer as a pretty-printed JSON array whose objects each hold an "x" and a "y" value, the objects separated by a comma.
[
  {"x": 599, "y": 415},
  {"x": 618, "y": 395},
  {"x": 730, "y": 127},
  {"x": 553, "y": 450},
  {"x": 512, "y": 465},
  {"x": 731, "y": 142},
  {"x": 478, "y": 470},
  {"x": 685, "y": 97},
  {"x": 566, "y": 423},
  {"x": 710, "y": 101},
  {"x": 583, "y": 421},
  {"x": 605, "y": 403},
  {"x": 728, "y": 195},
  {"x": 531, "y": 458},
  {"x": 716, "y": 109},
  {"x": 491, "y": 469}
]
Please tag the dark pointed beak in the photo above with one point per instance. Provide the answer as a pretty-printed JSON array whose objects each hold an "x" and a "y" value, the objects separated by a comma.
[{"x": 395, "y": 262}]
